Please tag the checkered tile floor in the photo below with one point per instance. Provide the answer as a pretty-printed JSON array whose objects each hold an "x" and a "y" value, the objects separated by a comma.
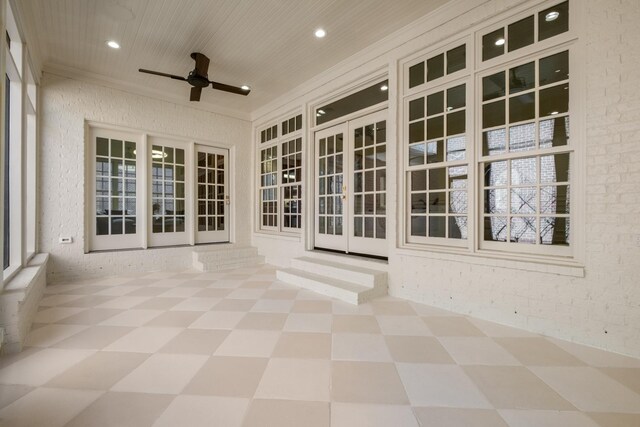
[{"x": 239, "y": 348}]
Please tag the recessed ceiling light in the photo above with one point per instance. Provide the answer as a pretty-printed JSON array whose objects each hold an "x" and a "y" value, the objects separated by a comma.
[
  {"x": 320, "y": 33},
  {"x": 245, "y": 87},
  {"x": 500, "y": 42},
  {"x": 384, "y": 88},
  {"x": 113, "y": 44},
  {"x": 551, "y": 16}
]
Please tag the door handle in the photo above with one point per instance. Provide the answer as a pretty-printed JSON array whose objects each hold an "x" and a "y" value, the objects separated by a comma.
[
  {"x": 227, "y": 200},
  {"x": 344, "y": 192}
]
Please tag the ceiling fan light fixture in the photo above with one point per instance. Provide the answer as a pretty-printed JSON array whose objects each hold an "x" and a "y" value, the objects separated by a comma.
[
  {"x": 245, "y": 87},
  {"x": 113, "y": 44}
]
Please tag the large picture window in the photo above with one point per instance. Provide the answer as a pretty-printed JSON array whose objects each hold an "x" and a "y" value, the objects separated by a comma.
[{"x": 280, "y": 176}]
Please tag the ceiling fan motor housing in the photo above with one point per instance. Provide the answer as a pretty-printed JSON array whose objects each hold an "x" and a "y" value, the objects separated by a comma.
[{"x": 197, "y": 80}]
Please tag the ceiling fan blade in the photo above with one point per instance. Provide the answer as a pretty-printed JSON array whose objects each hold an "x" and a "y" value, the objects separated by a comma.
[
  {"x": 228, "y": 88},
  {"x": 157, "y": 73},
  {"x": 202, "y": 63},
  {"x": 195, "y": 93}
]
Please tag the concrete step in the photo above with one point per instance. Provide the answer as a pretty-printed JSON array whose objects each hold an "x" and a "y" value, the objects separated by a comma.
[
  {"x": 336, "y": 270},
  {"x": 335, "y": 280},
  {"x": 225, "y": 256}
]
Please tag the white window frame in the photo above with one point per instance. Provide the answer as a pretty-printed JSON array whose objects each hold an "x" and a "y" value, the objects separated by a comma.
[
  {"x": 475, "y": 67},
  {"x": 280, "y": 186}
]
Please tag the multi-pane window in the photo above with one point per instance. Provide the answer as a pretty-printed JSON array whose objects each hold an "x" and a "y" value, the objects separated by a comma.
[
  {"x": 526, "y": 153},
  {"x": 168, "y": 189},
  {"x": 437, "y": 66},
  {"x": 115, "y": 187},
  {"x": 211, "y": 194},
  {"x": 437, "y": 160},
  {"x": 280, "y": 181},
  {"x": 370, "y": 181},
  {"x": 524, "y": 32},
  {"x": 291, "y": 178},
  {"x": 269, "y": 186},
  {"x": 330, "y": 184}
]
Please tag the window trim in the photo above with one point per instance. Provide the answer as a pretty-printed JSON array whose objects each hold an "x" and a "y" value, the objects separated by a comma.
[
  {"x": 567, "y": 40},
  {"x": 279, "y": 229}
]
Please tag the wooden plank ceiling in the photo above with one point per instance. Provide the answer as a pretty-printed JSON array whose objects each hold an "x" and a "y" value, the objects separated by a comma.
[{"x": 268, "y": 44}]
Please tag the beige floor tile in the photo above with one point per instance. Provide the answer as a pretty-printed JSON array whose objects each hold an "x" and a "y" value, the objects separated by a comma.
[
  {"x": 249, "y": 343},
  {"x": 313, "y": 306},
  {"x": 8, "y": 359},
  {"x": 54, "y": 314},
  {"x": 217, "y": 320},
  {"x": 53, "y": 300},
  {"x": 88, "y": 301},
  {"x": 263, "y": 321},
  {"x": 281, "y": 293},
  {"x": 9, "y": 393},
  {"x": 144, "y": 340},
  {"x": 301, "y": 322},
  {"x": 90, "y": 317},
  {"x": 213, "y": 293},
  {"x": 159, "y": 303},
  {"x": 351, "y": 415},
  {"x": 303, "y": 345},
  {"x": 95, "y": 337},
  {"x": 440, "y": 385},
  {"x": 340, "y": 307},
  {"x": 228, "y": 376},
  {"x": 273, "y": 306},
  {"x": 51, "y": 334},
  {"x": 124, "y": 302},
  {"x": 195, "y": 341},
  {"x": 629, "y": 377},
  {"x": 181, "y": 292},
  {"x": 611, "y": 419},
  {"x": 234, "y": 305},
  {"x": 147, "y": 291},
  {"x": 403, "y": 325},
  {"x": 99, "y": 371},
  {"x": 478, "y": 351},
  {"x": 162, "y": 373},
  {"x": 459, "y": 417},
  {"x": 361, "y": 324},
  {"x": 196, "y": 304},
  {"x": 496, "y": 330},
  {"x": 597, "y": 357},
  {"x": 367, "y": 382},
  {"x": 538, "y": 352},
  {"x": 394, "y": 308},
  {"x": 204, "y": 411},
  {"x": 256, "y": 284},
  {"x": 243, "y": 293},
  {"x": 589, "y": 389},
  {"x": 174, "y": 319},
  {"x": 428, "y": 310},
  {"x": 417, "y": 350},
  {"x": 452, "y": 326},
  {"x": 287, "y": 413},
  {"x": 360, "y": 347},
  {"x": 47, "y": 407},
  {"x": 122, "y": 410},
  {"x": 133, "y": 318},
  {"x": 532, "y": 418},
  {"x": 515, "y": 387},
  {"x": 296, "y": 379}
]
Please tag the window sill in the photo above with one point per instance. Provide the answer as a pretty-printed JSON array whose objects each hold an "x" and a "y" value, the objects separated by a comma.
[
  {"x": 512, "y": 261},
  {"x": 293, "y": 237}
]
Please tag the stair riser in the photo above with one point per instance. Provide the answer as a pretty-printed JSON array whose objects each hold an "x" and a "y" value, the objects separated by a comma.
[
  {"x": 319, "y": 287},
  {"x": 368, "y": 280},
  {"x": 225, "y": 255}
]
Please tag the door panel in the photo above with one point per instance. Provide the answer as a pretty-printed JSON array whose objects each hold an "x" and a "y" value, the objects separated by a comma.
[
  {"x": 212, "y": 196},
  {"x": 350, "y": 181}
]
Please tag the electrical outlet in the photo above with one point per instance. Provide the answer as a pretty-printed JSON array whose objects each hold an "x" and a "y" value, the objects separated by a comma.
[{"x": 66, "y": 240}]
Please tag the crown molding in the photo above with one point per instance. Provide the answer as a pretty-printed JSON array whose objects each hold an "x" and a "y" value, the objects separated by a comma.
[{"x": 101, "y": 80}]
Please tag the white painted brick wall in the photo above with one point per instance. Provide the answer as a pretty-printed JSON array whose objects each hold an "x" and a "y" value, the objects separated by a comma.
[
  {"x": 66, "y": 104},
  {"x": 603, "y": 307}
]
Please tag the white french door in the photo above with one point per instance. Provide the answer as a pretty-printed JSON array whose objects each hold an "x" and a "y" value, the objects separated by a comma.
[
  {"x": 350, "y": 186},
  {"x": 212, "y": 195}
]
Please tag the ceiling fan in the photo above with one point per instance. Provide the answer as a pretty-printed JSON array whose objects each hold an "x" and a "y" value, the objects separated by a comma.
[{"x": 198, "y": 78}]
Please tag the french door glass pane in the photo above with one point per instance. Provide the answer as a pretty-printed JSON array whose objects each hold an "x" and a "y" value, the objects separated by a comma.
[
  {"x": 331, "y": 181},
  {"x": 167, "y": 186},
  {"x": 210, "y": 191}
]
